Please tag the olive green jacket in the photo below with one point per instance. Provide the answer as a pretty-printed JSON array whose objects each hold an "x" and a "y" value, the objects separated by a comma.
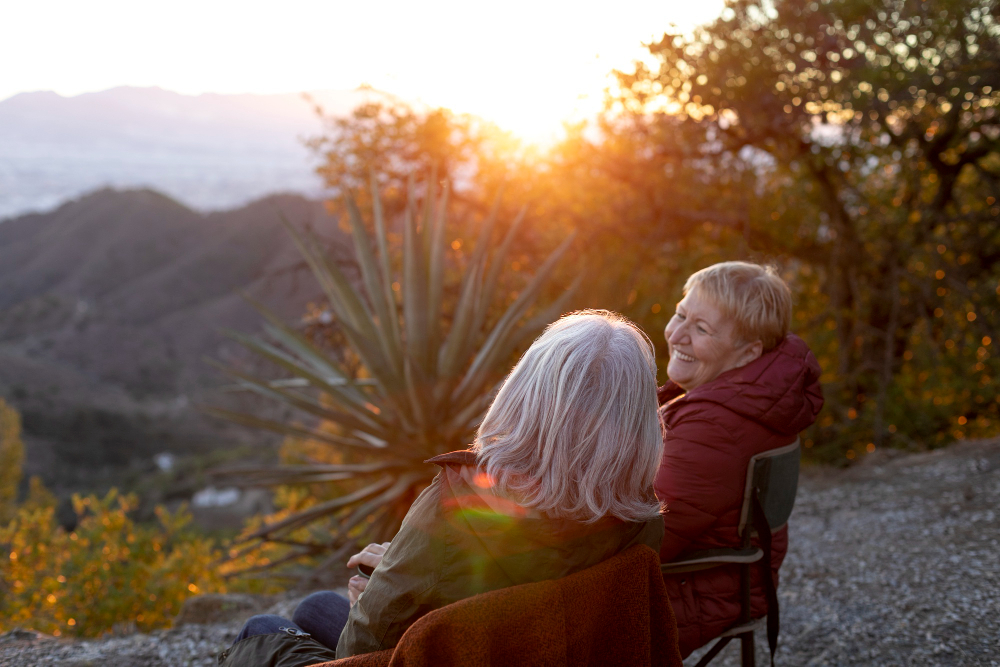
[
  {"x": 459, "y": 539},
  {"x": 290, "y": 648}
]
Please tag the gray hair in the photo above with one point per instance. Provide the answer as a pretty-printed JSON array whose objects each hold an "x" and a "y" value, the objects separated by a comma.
[{"x": 573, "y": 431}]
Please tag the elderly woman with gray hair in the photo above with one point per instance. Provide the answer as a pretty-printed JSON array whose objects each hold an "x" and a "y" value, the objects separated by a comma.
[
  {"x": 559, "y": 479},
  {"x": 740, "y": 384}
]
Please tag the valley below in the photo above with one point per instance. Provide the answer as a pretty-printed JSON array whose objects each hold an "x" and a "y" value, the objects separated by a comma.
[{"x": 111, "y": 307}]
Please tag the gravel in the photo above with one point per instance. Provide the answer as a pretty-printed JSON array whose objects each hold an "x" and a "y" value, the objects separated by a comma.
[
  {"x": 188, "y": 645},
  {"x": 895, "y": 561}
]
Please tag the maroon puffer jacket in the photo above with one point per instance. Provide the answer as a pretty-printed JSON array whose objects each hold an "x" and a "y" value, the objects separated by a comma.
[{"x": 711, "y": 433}]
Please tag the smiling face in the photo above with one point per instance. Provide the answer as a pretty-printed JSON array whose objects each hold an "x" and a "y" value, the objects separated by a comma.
[{"x": 702, "y": 344}]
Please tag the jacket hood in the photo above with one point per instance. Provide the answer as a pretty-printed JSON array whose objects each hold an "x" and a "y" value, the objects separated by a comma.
[{"x": 779, "y": 390}]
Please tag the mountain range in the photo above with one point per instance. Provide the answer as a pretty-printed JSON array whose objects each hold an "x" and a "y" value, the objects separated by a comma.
[
  {"x": 109, "y": 306},
  {"x": 209, "y": 151}
]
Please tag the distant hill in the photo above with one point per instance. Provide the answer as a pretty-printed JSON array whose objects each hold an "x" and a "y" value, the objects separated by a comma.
[
  {"x": 108, "y": 306},
  {"x": 209, "y": 151}
]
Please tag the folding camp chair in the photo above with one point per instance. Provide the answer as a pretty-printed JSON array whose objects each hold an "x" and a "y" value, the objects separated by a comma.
[{"x": 768, "y": 497}]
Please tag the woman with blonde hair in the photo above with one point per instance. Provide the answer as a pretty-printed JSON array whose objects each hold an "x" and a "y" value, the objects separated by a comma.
[
  {"x": 740, "y": 384},
  {"x": 559, "y": 479}
]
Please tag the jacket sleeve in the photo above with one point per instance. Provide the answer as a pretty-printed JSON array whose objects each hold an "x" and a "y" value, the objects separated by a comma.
[
  {"x": 401, "y": 588},
  {"x": 701, "y": 476}
]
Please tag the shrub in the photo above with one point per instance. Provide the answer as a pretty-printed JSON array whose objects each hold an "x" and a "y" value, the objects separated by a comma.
[
  {"x": 11, "y": 458},
  {"x": 107, "y": 575}
]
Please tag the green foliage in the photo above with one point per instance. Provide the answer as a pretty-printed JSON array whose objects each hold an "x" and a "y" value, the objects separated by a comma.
[
  {"x": 38, "y": 496},
  {"x": 428, "y": 337},
  {"x": 11, "y": 458},
  {"x": 106, "y": 575},
  {"x": 857, "y": 144}
]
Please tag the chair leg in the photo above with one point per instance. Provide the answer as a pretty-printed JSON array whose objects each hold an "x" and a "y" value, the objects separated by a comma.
[
  {"x": 748, "y": 654},
  {"x": 712, "y": 652}
]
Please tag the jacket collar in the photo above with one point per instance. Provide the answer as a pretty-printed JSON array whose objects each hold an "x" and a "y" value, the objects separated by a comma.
[
  {"x": 780, "y": 389},
  {"x": 462, "y": 457}
]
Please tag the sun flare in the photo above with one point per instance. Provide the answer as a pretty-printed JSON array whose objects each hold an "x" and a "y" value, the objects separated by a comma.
[{"x": 528, "y": 67}]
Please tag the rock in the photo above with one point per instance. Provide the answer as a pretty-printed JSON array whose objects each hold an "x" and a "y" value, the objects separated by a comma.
[
  {"x": 217, "y": 509},
  {"x": 27, "y": 636},
  {"x": 213, "y": 608}
]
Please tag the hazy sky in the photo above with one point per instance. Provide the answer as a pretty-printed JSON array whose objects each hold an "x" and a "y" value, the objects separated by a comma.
[{"x": 526, "y": 64}]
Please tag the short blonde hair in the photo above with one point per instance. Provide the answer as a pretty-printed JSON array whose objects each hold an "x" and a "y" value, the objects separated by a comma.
[
  {"x": 573, "y": 431},
  {"x": 753, "y": 296}
]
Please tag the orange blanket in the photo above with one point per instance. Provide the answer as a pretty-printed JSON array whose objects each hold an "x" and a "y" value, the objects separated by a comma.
[{"x": 613, "y": 614}]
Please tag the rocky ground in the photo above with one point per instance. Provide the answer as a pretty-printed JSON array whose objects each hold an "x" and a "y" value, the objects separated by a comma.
[{"x": 893, "y": 562}]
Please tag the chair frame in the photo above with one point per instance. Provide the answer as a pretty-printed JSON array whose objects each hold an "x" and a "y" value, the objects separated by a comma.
[{"x": 757, "y": 487}]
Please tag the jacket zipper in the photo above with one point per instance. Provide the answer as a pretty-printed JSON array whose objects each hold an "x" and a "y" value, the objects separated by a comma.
[{"x": 294, "y": 632}]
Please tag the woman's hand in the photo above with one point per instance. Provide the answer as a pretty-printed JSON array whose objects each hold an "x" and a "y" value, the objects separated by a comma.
[{"x": 370, "y": 556}]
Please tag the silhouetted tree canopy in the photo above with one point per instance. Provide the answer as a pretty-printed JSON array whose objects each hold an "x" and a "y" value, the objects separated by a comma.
[{"x": 872, "y": 133}]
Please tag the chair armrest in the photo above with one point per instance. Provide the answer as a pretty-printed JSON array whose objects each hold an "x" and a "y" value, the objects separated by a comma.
[
  {"x": 702, "y": 560},
  {"x": 742, "y": 628}
]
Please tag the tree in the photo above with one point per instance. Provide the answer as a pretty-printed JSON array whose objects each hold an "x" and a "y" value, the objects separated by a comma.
[
  {"x": 394, "y": 140},
  {"x": 107, "y": 574},
  {"x": 872, "y": 135},
  {"x": 11, "y": 459}
]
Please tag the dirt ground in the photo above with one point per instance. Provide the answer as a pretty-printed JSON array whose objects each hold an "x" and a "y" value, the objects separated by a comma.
[{"x": 895, "y": 561}]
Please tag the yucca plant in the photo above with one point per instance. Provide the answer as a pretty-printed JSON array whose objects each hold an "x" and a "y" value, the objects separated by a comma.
[{"x": 433, "y": 348}]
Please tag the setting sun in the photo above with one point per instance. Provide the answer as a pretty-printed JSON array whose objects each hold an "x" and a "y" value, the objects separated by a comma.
[{"x": 528, "y": 66}]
